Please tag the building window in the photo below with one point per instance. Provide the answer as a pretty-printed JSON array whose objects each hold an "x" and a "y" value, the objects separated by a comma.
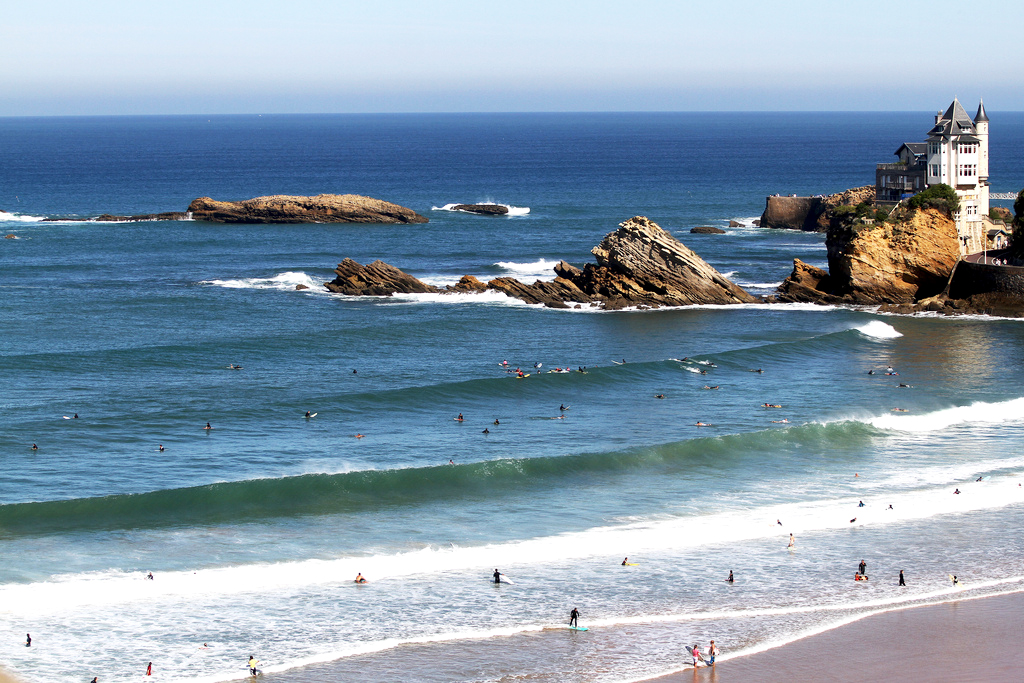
[
  {"x": 934, "y": 171},
  {"x": 968, "y": 170},
  {"x": 971, "y": 210},
  {"x": 969, "y": 148}
]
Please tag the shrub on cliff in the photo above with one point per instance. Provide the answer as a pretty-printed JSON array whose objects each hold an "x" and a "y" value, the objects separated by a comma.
[
  {"x": 1017, "y": 238},
  {"x": 941, "y": 197}
]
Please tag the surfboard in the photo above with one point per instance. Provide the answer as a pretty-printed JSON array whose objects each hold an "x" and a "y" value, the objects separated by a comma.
[
  {"x": 619, "y": 362},
  {"x": 524, "y": 376},
  {"x": 311, "y": 415},
  {"x": 65, "y": 417},
  {"x": 631, "y": 564},
  {"x": 578, "y": 628}
]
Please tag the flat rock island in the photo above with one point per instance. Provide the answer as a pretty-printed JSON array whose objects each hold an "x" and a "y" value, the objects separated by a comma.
[{"x": 323, "y": 208}]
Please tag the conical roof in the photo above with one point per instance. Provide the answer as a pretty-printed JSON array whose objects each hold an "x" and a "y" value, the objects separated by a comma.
[
  {"x": 955, "y": 121},
  {"x": 981, "y": 115}
]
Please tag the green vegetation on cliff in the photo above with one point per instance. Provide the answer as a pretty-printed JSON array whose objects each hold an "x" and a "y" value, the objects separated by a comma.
[{"x": 941, "y": 197}]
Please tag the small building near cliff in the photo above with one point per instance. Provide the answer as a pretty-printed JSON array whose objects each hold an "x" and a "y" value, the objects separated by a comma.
[{"x": 956, "y": 154}]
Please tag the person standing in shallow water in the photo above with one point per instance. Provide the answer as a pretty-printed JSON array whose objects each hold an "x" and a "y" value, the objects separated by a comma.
[
  {"x": 902, "y": 582},
  {"x": 862, "y": 568},
  {"x": 574, "y": 618}
]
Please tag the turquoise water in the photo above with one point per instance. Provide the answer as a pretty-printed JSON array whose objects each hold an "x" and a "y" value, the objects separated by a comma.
[{"x": 255, "y": 529}]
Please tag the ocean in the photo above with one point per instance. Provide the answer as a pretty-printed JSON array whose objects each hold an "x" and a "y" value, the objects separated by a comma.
[{"x": 255, "y": 529}]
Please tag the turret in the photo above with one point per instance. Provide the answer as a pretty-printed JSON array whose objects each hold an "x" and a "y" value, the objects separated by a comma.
[{"x": 981, "y": 125}]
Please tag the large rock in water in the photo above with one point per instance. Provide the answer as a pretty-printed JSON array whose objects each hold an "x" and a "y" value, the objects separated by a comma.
[
  {"x": 811, "y": 214},
  {"x": 375, "y": 279},
  {"x": 483, "y": 209},
  {"x": 888, "y": 263},
  {"x": 642, "y": 264},
  {"x": 323, "y": 208}
]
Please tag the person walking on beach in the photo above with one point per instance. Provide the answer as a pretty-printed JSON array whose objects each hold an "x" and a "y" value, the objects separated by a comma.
[
  {"x": 902, "y": 582},
  {"x": 574, "y": 618},
  {"x": 712, "y": 653},
  {"x": 149, "y": 669},
  {"x": 252, "y": 664},
  {"x": 695, "y": 652}
]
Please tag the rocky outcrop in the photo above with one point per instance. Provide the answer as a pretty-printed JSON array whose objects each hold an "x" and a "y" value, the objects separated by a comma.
[
  {"x": 893, "y": 263},
  {"x": 707, "y": 230},
  {"x": 482, "y": 209},
  {"x": 638, "y": 265},
  {"x": 137, "y": 218},
  {"x": 375, "y": 279},
  {"x": 323, "y": 208},
  {"x": 811, "y": 214}
]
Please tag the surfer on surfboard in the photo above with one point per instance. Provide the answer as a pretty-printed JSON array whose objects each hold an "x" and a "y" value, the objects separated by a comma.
[{"x": 574, "y": 617}]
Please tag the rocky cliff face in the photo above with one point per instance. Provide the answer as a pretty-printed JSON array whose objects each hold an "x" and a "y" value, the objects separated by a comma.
[
  {"x": 323, "y": 208},
  {"x": 637, "y": 265},
  {"x": 811, "y": 214},
  {"x": 890, "y": 263}
]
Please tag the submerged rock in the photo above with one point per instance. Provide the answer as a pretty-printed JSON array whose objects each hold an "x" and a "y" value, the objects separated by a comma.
[
  {"x": 482, "y": 209},
  {"x": 708, "y": 230},
  {"x": 137, "y": 218},
  {"x": 323, "y": 208}
]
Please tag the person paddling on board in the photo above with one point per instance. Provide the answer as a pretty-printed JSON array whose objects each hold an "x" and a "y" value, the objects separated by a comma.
[
  {"x": 730, "y": 579},
  {"x": 252, "y": 664},
  {"x": 308, "y": 414},
  {"x": 574, "y": 617},
  {"x": 360, "y": 578},
  {"x": 208, "y": 426},
  {"x": 459, "y": 418},
  {"x": 497, "y": 576}
]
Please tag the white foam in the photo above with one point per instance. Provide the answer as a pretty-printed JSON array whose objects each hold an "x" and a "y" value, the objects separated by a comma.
[
  {"x": 512, "y": 210},
  {"x": 645, "y": 537},
  {"x": 19, "y": 218},
  {"x": 542, "y": 269},
  {"x": 876, "y": 329},
  {"x": 286, "y": 281},
  {"x": 489, "y": 296},
  {"x": 978, "y": 412},
  {"x": 759, "y": 285}
]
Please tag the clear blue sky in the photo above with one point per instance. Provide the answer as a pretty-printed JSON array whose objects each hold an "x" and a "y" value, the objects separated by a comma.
[{"x": 260, "y": 56}]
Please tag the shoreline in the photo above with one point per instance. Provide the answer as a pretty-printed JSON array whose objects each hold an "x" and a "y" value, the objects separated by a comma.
[{"x": 973, "y": 639}]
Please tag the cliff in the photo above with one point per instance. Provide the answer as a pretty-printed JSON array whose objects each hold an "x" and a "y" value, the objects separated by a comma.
[
  {"x": 887, "y": 263},
  {"x": 640, "y": 265},
  {"x": 811, "y": 214},
  {"x": 323, "y": 208}
]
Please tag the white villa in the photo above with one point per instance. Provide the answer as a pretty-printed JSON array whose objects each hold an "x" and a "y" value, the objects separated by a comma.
[{"x": 958, "y": 157}]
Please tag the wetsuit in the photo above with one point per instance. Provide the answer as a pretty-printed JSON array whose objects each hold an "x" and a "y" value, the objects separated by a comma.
[
  {"x": 901, "y": 579},
  {"x": 574, "y": 617},
  {"x": 497, "y": 576}
]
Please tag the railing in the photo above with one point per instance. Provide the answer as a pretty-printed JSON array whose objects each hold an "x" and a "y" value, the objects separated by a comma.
[{"x": 1002, "y": 195}]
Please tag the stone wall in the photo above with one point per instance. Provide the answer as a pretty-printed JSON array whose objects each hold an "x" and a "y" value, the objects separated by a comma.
[{"x": 972, "y": 279}]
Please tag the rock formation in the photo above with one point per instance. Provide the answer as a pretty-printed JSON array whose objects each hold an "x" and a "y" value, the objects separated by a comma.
[
  {"x": 323, "y": 208},
  {"x": 811, "y": 214},
  {"x": 891, "y": 263},
  {"x": 376, "y": 279},
  {"x": 137, "y": 218},
  {"x": 638, "y": 265},
  {"x": 707, "y": 230},
  {"x": 483, "y": 209}
]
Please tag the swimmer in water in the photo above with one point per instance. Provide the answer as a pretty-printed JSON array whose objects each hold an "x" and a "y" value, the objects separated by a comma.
[
  {"x": 35, "y": 447},
  {"x": 208, "y": 426},
  {"x": 702, "y": 424},
  {"x": 486, "y": 431},
  {"x": 360, "y": 578},
  {"x": 160, "y": 448},
  {"x": 359, "y": 436}
]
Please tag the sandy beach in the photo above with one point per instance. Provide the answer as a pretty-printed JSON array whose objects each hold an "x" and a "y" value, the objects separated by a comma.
[{"x": 963, "y": 641}]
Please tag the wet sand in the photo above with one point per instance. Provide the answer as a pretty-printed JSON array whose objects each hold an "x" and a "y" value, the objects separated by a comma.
[
  {"x": 7, "y": 678},
  {"x": 969, "y": 640}
]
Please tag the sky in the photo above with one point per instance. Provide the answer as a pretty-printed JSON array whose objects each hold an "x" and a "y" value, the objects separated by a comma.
[{"x": 68, "y": 57}]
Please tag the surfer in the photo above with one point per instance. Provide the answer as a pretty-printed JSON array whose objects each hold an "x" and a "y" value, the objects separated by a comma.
[
  {"x": 902, "y": 582},
  {"x": 702, "y": 424},
  {"x": 759, "y": 370},
  {"x": 149, "y": 576},
  {"x": 659, "y": 396},
  {"x": 859, "y": 577},
  {"x": 956, "y": 491},
  {"x": 497, "y": 576},
  {"x": 782, "y": 421},
  {"x": 889, "y": 370},
  {"x": 730, "y": 579},
  {"x": 625, "y": 562},
  {"x": 899, "y": 410},
  {"x": 359, "y": 436},
  {"x": 901, "y": 385},
  {"x": 792, "y": 541},
  {"x": 35, "y": 447},
  {"x": 520, "y": 374},
  {"x": 360, "y": 578},
  {"x": 772, "y": 405},
  {"x": 862, "y": 567},
  {"x": 450, "y": 461},
  {"x": 712, "y": 653},
  {"x": 355, "y": 372},
  {"x": 459, "y": 418},
  {"x": 496, "y": 421},
  {"x": 779, "y": 522},
  {"x": 160, "y": 448},
  {"x": 252, "y": 664},
  {"x": 890, "y": 506},
  {"x": 486, "y": 431},
  {"x": 574, "y": 617},
  {"x": 207, "y": 426},
  {"x": 871, "y": 372},
  {"x": 860, "y": 504},
  {"x": 309, "y": 414},
  {"x": 853, "y": 520},
  {"x": 28, "y": 640},
  {"x": 696, "y": 655},
  {"x": 956, "y": 581},
  {"x": 978, "y": 479}
]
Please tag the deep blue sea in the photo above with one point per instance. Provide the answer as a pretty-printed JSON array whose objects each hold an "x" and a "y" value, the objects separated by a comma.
[{"x": 255, "y": 529}]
